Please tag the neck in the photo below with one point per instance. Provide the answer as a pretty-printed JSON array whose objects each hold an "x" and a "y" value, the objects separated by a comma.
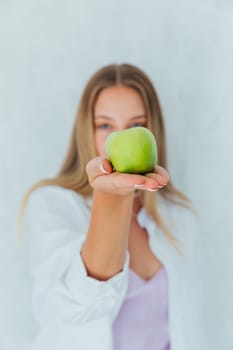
[{"x": 137, "y": 205}]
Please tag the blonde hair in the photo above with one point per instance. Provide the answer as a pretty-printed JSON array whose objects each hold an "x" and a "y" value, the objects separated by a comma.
[{"x": 72, "y": 174}]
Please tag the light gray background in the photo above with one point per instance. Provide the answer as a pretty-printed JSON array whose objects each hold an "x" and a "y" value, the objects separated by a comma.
[{"x": 48, "y": 51}]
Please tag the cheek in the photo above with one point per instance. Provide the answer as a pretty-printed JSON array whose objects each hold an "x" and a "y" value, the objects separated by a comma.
[{"x": 100, "y": 143}]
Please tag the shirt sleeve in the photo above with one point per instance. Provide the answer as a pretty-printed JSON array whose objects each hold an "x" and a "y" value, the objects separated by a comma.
[{"x": 55, "y": 227}]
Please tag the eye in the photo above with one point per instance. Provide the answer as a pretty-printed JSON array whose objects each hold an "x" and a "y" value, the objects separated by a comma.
[
  {"x": 138, "y": 124},
  {"x": 104, "y": 126}
]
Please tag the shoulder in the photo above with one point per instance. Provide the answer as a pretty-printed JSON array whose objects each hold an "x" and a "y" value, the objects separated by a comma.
[
  {"x": 52, "y": 203},
  {"x": 183, "y": 221},
  {"x": 53, "y": 190},
  {"x": 55, "y": 195}
]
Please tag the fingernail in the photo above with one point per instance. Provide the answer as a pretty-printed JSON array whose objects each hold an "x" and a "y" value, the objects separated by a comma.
[
  {"x": 152, "y": 189},
  {"x": 102, "y": 168},
  {"x": 138, "y": 186}
]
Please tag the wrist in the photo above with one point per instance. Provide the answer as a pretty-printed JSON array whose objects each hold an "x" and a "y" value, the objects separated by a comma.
[{"x": 114, "y": 196}]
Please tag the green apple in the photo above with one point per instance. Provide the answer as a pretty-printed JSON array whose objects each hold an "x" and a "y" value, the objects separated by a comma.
[{"x": 132, "y": 150}]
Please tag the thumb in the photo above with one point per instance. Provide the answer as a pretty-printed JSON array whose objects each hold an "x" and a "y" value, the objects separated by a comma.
[{"x": 98, "y": 166}]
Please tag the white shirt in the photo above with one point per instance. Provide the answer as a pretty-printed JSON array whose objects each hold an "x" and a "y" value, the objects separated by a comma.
[{"x": 75, "y": 311}]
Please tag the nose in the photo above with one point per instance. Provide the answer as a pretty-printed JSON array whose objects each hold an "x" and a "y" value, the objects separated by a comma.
[{"x": 121, "y": 127}]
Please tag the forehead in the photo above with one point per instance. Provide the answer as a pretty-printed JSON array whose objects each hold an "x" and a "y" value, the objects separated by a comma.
[{"x": 119, "y": 98}]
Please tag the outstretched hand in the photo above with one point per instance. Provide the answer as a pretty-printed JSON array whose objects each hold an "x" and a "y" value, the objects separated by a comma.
[{"x": 102, "y": 177}]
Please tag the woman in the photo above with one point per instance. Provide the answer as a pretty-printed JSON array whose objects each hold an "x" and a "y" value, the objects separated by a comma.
[{"x": 112, "y": 255}]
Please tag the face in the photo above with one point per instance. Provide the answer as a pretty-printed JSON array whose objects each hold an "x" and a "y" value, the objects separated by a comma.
[{"x": 117, "y": 108}]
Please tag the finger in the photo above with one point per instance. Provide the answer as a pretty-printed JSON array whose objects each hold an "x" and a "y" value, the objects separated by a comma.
[
  {"x": 159, "y": 179},
  {"x": 104, "y": 165},
  {"x": 97, "y": 167},
  {"x": 136, "y": 181},
  {"x": 161, "y": 175}
]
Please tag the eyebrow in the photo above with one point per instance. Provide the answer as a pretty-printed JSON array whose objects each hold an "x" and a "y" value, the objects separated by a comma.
[{"x": 109, "y": 118}]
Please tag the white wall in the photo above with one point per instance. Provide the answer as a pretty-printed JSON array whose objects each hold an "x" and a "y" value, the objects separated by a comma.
[{"x": 48, "y": 51}]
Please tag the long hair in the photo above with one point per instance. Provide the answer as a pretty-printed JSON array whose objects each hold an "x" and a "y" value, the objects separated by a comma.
[{"x": 72, "y": 174}]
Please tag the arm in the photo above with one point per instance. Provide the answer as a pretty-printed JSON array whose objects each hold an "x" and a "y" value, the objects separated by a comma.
[{"x": 107, "y": 239}]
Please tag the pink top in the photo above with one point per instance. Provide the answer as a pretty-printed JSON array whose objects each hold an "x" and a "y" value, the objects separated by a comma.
[{"x": 142, "y": 321}]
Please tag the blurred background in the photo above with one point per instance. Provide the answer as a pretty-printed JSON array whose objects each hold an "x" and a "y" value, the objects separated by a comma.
[{"x": 48, "y": 51}]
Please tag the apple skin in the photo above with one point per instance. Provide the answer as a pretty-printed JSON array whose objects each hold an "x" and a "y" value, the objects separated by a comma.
[{"x": 132, "y": 150}]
